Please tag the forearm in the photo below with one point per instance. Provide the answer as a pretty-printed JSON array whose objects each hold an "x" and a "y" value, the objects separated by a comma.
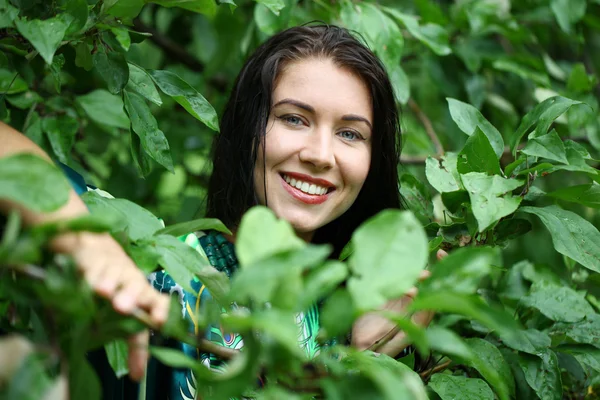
[{"x": 13, "y": 142}]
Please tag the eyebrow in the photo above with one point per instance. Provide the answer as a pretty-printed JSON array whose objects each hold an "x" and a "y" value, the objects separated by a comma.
[{"x": 309, "y": 108}]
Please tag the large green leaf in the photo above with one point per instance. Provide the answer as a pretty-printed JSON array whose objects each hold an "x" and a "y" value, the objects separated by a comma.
[
  {"x": 262, "y": 235},
  {"x": 11, "y": 82},
  {"x": 478, "y": 156},
  {"x": 572, "y": 235},
  {"x": 492, "y": 366},
  {"x": 8, "y": 13},
  {"x": 468, "y": 119},
  {"x": 586, "y": 355},
  {"x": 588, "y": 195},
  {"x": 542, "y": 117},
  {"x": 450, "y": 387},
  {"x": 568, "y": 12},
  {"x": 490, "y": 197},
  {"x": 559, "y": 303},
  {"x": 432, "y": 35},
  {"x": 442, "y": 174},
  {"x": 187, "y": 96},
  {"x": 104, "y": 108},
  {"x": 447, "y": 342},
  {"x": 274, "y": 5},
  {"x": 207, "y": 7},
  {"x": 137, "y": 221},
  {"x": 126, "y": 8},
  {"x": 543, "y": 374},
  {"x": 391, "y": 250},
  {"x": 548, "y": 146},
  {"x": 460, "y": 271},
  {"x": 33, "y": 182},
  {"x": 45, "y": 36},
  {"x": 113, "y": 68},
  {"x": 61, "y": 132},
  {"x": 141, "y": 83},
  {"x": 586, "y": 331},
  {"x": 530, "y": 341},
  {"x": 143, "y": 123}
]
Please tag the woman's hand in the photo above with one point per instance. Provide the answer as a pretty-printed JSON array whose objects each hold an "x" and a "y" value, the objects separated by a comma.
[
  {"x": 371, "y": 327},
  {"x": 113, "y": 275}
]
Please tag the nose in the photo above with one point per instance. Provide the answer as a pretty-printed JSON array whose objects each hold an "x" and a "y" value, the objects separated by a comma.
[{"x": 318, "y": 150}]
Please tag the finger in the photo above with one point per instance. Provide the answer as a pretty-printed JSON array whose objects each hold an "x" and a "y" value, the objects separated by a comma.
[
  {"x": 138, "y": 354},
  {"x": 156, "y": 304},
  {"x": 424, "y": 275},
  {"x": 441, "y": 254},
  {"x": 132, "y": 285},
  {"x": 412, "y": 292},
  {"x": 107, "y": 282}
]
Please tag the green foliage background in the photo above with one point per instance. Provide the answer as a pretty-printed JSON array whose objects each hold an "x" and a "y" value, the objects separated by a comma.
[{"x": 128, "y": 93}]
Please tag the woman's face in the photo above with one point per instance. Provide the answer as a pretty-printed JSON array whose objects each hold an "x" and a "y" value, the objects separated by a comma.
[{"x": 317, "y": 145}]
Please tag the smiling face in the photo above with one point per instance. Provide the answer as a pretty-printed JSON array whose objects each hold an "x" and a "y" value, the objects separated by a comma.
[{"x": 317, "y": 145}]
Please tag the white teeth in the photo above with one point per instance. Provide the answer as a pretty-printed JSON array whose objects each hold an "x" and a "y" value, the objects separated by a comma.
[{"x": 305, "y": 186}]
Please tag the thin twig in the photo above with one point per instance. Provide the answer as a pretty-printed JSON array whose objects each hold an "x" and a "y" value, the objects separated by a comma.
[
  {"x": 427, "y": 373},
  {"x": 439, "y": 149}
]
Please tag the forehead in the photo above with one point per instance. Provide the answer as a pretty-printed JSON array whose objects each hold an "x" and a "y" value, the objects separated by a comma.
[{"x": 325, "y": 86}]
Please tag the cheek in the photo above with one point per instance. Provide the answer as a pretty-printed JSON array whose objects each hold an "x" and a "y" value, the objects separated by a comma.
[{"x": 357, "y": 170}]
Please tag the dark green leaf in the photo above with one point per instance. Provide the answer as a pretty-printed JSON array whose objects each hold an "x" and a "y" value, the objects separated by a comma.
[
  {"x": 509, "y": 229},
  {"x": 392, "y": 253},
  {"x": 32, "y": 182},
  {"x": 337, "y": 314},
  {"x": 542, "y": 115},
  {"x": 141, "y": 83},
  {"x": 187, "y": 96},
  {"x": 104, "y": 108},
  {"x": 61, "y": 132},
  {"x": 450, "y": 387},
  {"x": 588, "y": 195},
  {"x": 208, "y": 7},
  {"x": 448, "y": 342},
  {"x": 572, "y": 235},
  {"x": 116, "y": 352},
  {"x": 141, "y": 159},
  {"x": 443, "y": 174},
  {"x": 126, "y": 8},
  {"x": 468, "y": 119},
  {"x": 579, "y": 81},
  {"x": 144, "y": 124},
  {"x": 83, "y": 56},
  {"x": 530, "y": 341},
  {"x": 460, "y": 271},
  {"x": 478, "y": 156},
  {"x": 193, "y": 226},
  {"x": 568, "y": 13},
  {"x": 24, "y": 100},
  {"x": 586, "y": 355},
  {"x": 490, "y": 197},
  {"x": 559, "y": 303},
  {"x": 491, "y": 365},
  {"x": 548, "y": 146},
  {"x": 543, "y": 374},
  {"x": 586, "y": 331},
  {"x": 83, "y": 381},
  {"x": 8, "y": 13},
  {"x": 78, "y": 10},
  {"x": 417, "y": 197},
  {"x": 11, "y": 82},
  {"x": 45, "y": 36},
  {"x": 528, "y": 74},
  {"x": 113, "y": 68},
  {"x": 122, "y": 36}
]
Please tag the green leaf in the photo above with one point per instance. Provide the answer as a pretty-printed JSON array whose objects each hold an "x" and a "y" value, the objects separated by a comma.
[
  {"x": 586, "y": 355},
  {"x": 207, "y": 7},
  {"x": 274, "y": 5},
  {"x": 11, "y": 82},
  {"x": 543, "y": 374},
  {"x": 417, "y": 197},
  {"x": 400, "y": 83},
  {"x": 447, "y": 342},
  {"x": 322, "y": 281},
  {"x": 468, "y": 118},
  {"x": 61, "y": 132},
  {"x": 443, "y": 174},
  {"x": 542, "y": 116},
  {"x": 586, "y": 331},
  {"x": 588, "y": 195},
  {"x": 188, "y": 97},
  {"x": 548, "y": 146},
  {"x": 579, "y": 81},
  {"x": 478, "y": 156},
  {"x": 104, "y": 108},
  {"x": 83, "y": 56},
  {"x": 33, "y": 182},
  {"x": 460, "y": 271},
  {"x": 8, "y": 14},
  {"x": 122, "y": 36},
  {"x": 201, "y": 224},
  {"x": 491, "y": 365},
  {"x": 432, "y": 35},
  {"x": 78, "y": 10},
  {"x": 572, "y": 235},
  {"x": 24, "y": 100},
  {"x": 261, "y": 235},
  {"x": 126, "y": 8},
  {"x": 450, "y": 387},
  {"x": 559, "y": 303},
  {"x": 490, "y": 197},
  {"x": 141, "y": 83},
  {"x": 116, "y": 352},
  {"x": 392, "y": 253},
  {"x": 568, "y": 13},
  {"x": 45, "y": 36},
  {"x": 113, "y": 68},
  {"x": 337, "y": 314},
  {"x": 143, "y": 123},
  {"x": 530, "y": 341},
  {"x": 56, "y": 69},
  {"x": 137, "y": 221},
  {"x": 510, "y": 229},
  {"x": 528, "y": 74}
]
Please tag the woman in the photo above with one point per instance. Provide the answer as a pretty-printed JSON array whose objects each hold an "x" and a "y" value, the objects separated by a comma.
[{"x": 311, "y": 131}]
